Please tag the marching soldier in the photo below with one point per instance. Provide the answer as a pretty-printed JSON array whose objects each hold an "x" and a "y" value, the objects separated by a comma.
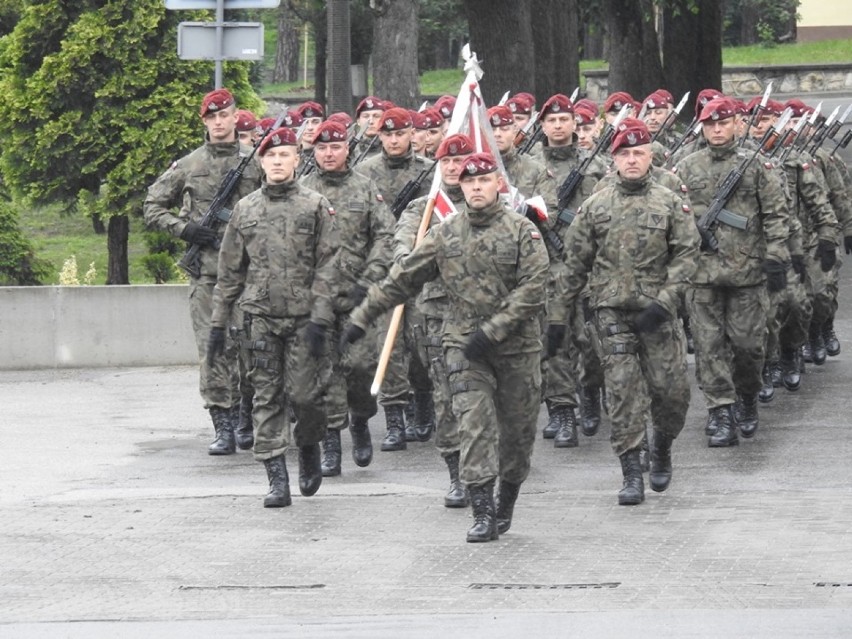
[{"x": 367, "y": 113}]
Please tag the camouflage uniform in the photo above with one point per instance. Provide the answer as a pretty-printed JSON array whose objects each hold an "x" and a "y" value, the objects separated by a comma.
[
  {"x": 493, "y": 266},
  {"x": 728, "y": 303},
  {"x": 635, "y": 245},
  {"x": 530, "y": 177},
  {"x": 279, "y": 258},
  {"x": 191, "y": 184},
  {"x": 366, "y": 227}
]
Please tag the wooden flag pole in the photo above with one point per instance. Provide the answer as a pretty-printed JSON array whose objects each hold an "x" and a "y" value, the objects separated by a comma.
[{"x": 396, "y": 318}]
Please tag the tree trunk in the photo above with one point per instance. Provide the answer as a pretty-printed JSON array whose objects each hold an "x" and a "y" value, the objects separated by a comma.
[
  {"x": 287, "y": 49},
  {"x": 395, "y": 34},
  {"x": 692, "y": 49},
  {"x": 339, "y": 61},
  {"x": 320, "y": 48},
  {"x": 501, "y": 36},
  {"x": 634, "y": 61},
  {"x": 117, "y": 268},
  {"x": 557, "y": 60}
]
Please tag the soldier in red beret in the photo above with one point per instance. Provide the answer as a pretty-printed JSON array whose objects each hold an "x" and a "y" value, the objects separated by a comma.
[
  {"x": 367, "y": 114},
  {"x": 587, "y": 123},
  {"x": 176, "y": 203},
  {"x": 246, "y": 127},
  {"x": 615, "y": 102}
]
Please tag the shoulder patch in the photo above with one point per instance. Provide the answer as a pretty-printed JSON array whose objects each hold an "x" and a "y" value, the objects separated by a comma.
[
  {"x": 331, "y": 211},
  {"x": 805, "y": 166},
  {"x": 683, "y": 188},
  {"x": 173, "y": 166},
  {"x": 768, "y": 165},
  {"x": 685, "y": 208},
  {"x": 674, "y": 169},
  {"x": 379, "y": 197},
  {"x": 549, "y": 173},
  {"x": 535, "y": 235}
]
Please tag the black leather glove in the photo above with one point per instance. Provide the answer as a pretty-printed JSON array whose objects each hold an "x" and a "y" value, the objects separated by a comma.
[
  {"x": 776, "y": 275},
  {"x": 349, "y": 335},
  {"x": 357, "y": 294},
  {"x": 650, "y": 319},
  {"x": 555, "y": 337},
  {"x": 215, "y": 344},
  {"x": 478, "y": 346},
  {"x": 588, "y": 313},
  {"x": 315, "y": 338},
  {"x": 708, "y": 241},
  {"x": 799, "y": 266},
  {"x": 847, "y": 244},
  {"x": 194, "y": 233},
  {"x": 826, "y": 253}
]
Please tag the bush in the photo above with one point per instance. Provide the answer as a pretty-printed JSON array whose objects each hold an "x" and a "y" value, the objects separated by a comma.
[
  {"x": 163, "y": 249},
  {"x": 18, "y": 264}
]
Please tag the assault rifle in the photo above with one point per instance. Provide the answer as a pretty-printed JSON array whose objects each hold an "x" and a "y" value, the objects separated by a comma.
[
  {"x": 756, "y": 112},
  {"x": 217, "y": 213},
  {"x": 365, "y": 151},
  {"x": 716, "y": 213},
  {"x": 355, "y": 140},
  {"x": 404, "y": 197},
  {"x": 523, "y": 137},
  {"x": 688, "y": 136},
  {"x": 844, "y": 142},
  {"x": 788, "y": 140},
  {"x": 671, "y": 118},
  {"x": 829, "y": 130}
]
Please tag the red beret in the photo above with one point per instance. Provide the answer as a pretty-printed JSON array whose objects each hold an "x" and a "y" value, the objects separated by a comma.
[
  {"x": 216, "y": 101},
  {"x": 658, "y": 101},
  {"x": 418, "y": 119},
  {"x": 478, "y": 164},
  {"x": 529, "y": 97},
  {"x": 445, "y": 104},
  {"x": 246, "y": 120},
  {"x": 519, "y": 104},
  {"x": 798, "y": 107},
  {"x": 772, "y": 107},
  {"x": 591, "y": 105},
  {"x": 458, "y": 144},
  {"x": 631, "y": 132},
  {"x": 704, "y": 96},
  {"x": 718, "y": 109},
  {"x": 665, "y": 93},
  {"x": 742, "y": 107},
  {"x": 428, "y": 119},
  {"x": 279, "y": 137},
  {"x": 557, "y": 104},
  {"x": 500, "y": 116},
  {"x": 310, "y": 110},
  {"x": 394, "y": 119},
  {"x": 293, "y": 119},
  {"x": 617, "y": 100},
  {"x": 264, "y": 123},
  {"x": 370, "y": 103},
  {"x": 583, "y": 115},
  {"x": 330, "y": 131},
  {"x": 344, "y": 118}
]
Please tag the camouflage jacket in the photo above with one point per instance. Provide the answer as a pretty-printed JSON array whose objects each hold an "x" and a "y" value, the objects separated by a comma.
[
  {"x": 280, "y": 253},
  {"x": 809, "y": 202},
  {"x": 392, "y": 174},
  {"x": 432, "y": 300},
  {"x": 661, "y": 176},
  {"x": 838, "y": 195},
  {"x": 530, "y": 177},
  {"x": 190, "y": 184},
  {"x": 634, "y": 243},
  {"x": 493, "y": 265},
  {"x": 759, "y": 198},
  {"x": 364, "y": 225},
  {"x": 561, "y": 160},
  {"x": 368, "y": 148}
]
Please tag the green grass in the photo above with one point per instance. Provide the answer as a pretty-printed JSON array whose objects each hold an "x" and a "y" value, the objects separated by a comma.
[{"x": 57, "y": 236}]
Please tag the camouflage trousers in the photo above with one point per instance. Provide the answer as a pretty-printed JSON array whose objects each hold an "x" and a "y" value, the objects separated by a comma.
[
  {"x": 240, "y": 331},
  {"x": 822, "y": 288},
  {"x": 729, "y": 329},
  {"x": 219, "y": 383},
  {"x": 642, "y": 370},
  {"x": 351, "y": 377},
  {"x": 788, "y": 319},
  {"x": 496, "y": 402},
  {"x": 559, "y": 372},
  {"x": 405, "y": 371},
  {"x": 283, "y": 372},
  {"x": 591, "y": 372},
  {"x": 431, "y": 351}
]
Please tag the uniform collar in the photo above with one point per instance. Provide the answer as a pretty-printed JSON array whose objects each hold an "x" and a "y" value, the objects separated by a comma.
[
  {"x": 486, "y": 216},
  {"x": 278, "y": 191}
]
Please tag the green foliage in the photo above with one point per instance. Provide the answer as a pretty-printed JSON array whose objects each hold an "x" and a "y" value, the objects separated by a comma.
[
  {"x": 160, "y": 266},
  {"x": 97, "y": 102},
  {"x": 163, "y": 242},
  {"x": 18, "y": 264},
  {"x": 764, "y": 21}
]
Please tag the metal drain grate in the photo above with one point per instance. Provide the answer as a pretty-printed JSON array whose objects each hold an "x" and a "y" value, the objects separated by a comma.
[
  {"x": 832, "y": 584},
  {"x": 605, "y": 585},
  {"x": 255, "y": 587}
]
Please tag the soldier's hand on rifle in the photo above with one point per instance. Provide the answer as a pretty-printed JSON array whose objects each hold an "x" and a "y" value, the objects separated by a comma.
[
  {"x": 708, "y": 242},
  {"x": 349, "y": 335},
  {"x": 555, "y": 338},
  {"x": 776, "y": 276},
  {"x": 194, "y": 233},
  {"x": 357, "y": 294},
  {"x": 315, "y": 339},
  {"x": 799, "y": 267},
  {"x": 826, "y": 254},
  {"x": 650, "y": 319},
  {"x": 478, "y": 346},
  {"x": 847, "y": 244},
  {"x": 215, "y": 344}
]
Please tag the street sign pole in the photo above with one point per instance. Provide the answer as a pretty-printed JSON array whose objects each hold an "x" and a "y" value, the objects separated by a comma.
[{"x": 220, "y": 36}]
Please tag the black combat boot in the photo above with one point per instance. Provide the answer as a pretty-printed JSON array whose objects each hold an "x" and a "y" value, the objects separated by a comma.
[
  {"x": 279, "y": 483},
  {"x": 244, "y": 431},
  {"x": 457, "y": 496},
  {"x": 829, "y": 338},
  {"x": 331, "y": 453},
  {"x": 712, "y": 422},
  {"x": 424, "y": 415},
  {"x": 790, "y": 375},
  {"x": 507, "y": 495},
  {"x": 553, "y": 423},
  {"x": 310, "y": 469},
  {"x": 687, "y": 331},
  {"x": 362, "y": 444},
  {"x": 726, "y": 429},
  {"x": 566, "y": 437},
  {"x": 661, "y": 462},
  {"x": 408, "y": 411},
  {"x": 807, "y": 355},
  {"x": 817, "y": 344},
  {"x": 395, "y": 437},
  {"x": 590, "y": 410},
  {"x": 747, "y": 415},
  {"x": 767, "y": 391},
  {"x": 224, "y": 444},
  {"x": 633, "y": 489},
  {"x": 484, "y": 514}
]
